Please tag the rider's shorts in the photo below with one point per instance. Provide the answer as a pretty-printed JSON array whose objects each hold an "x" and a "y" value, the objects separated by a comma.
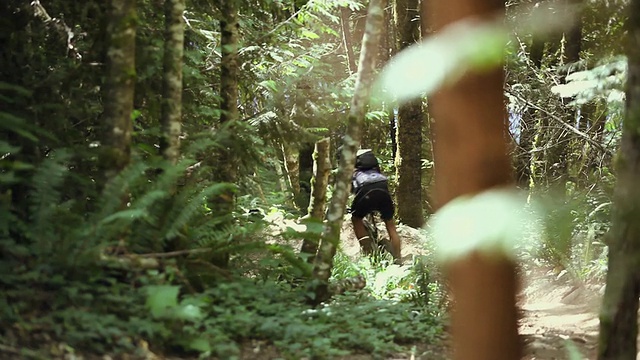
[{"x": 373, "y": 197}]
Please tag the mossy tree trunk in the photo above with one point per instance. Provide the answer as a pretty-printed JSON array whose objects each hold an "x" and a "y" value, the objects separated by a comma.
[
  {"x": 409, "y": 127},
  {"x": 331, "y": 235},
  {"x": 171, "y": 117},
  {"x": 469, "y": 135},
  {"x": 428, "y": 172},
  {"x": 120, "y": 85},
  {"x": 229, "y": 71},
  {"x": 319, "y": 184},
  {"x": 292, "y": 168},
  {"x": 619, "y": 311},
  {"x": 345, "y": 14}
]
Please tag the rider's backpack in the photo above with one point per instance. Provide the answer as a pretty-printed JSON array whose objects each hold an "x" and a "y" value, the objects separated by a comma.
[
  {"x": 365, "y": 160},
  {"x": 366, "y": 177}
]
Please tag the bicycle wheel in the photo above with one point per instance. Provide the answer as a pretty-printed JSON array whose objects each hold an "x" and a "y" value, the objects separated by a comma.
[{"x": 368, "y": 243}]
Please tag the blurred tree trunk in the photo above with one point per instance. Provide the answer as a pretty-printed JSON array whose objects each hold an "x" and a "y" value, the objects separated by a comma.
[
  {"x": 409, "y": 127},
  {"x": 319, "y": 184},
  {"x": 619, "y": 311},
  {"x": 171, "y": 117},
  {"x": 331, "y": 235},
  {"x": 120, "y": 85},
  {"x": 472, "y": 156},
  {"x": 345, "y": 13}
]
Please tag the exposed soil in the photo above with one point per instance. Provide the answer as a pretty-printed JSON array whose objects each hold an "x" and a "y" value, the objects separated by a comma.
[{"x": 557, "y": 312}]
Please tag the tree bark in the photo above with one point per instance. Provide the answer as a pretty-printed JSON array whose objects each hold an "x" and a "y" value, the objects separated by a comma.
[
  {"x": 331, "y": 235},
  {"x": 619, "y": 311},
  {"x": 345, "y": 13},
  {"x": 573, "y": 38},
  {"x": 536, "y": 52},
  {"x": 171, "y": 117},
  {"x": 319, "y": 184},
  {"x": 428, "y": 172},
  {"x": 292, "y": 167},
  {"x": 229, "y": 77},
  {"x": 409, "y": 128},
  {"x": 120, "y": 85},
  {"x": 472, "y": 156}
]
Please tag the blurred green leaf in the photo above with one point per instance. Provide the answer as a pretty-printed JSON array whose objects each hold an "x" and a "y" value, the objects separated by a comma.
[{"x": 162, "y": 298}]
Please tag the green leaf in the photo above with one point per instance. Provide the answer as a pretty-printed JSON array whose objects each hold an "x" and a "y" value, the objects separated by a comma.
[
  {"x": 305, "y": 33},
  {"x": 269, "y": 84},
  {"x": 189, "y": 312},
  {"x": 162, "y": 299},
  {"x": 466, "y": 45},
  {"x": 425, "y": 67},
  {"x": 200, "y": 344}
]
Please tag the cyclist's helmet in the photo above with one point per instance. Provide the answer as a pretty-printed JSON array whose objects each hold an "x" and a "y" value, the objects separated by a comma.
[{"x": 365, "y": 159}]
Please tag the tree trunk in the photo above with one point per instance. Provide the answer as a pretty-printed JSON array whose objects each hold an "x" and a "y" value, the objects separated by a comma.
[
  {"x": 171, "y": 118},
  {"x": 409, "y": 128},
  {"x": 573, "y": 38},
  {"x": 319, "y": 184},
  {"x": 536, "y": 52},
  {"x": 619, "y": 311},
  {"x": 305, "y": 160},
  {"x": 525, "y": 148},
  {"x": 428, "y": 172},
  {"x": 120, "y": 85},
  {"x": 345, "y": 13},
  {"x": 229, "y": 77},
  {"x": 331, "y": 235},
  {"x": 387, "y": 50},
  {"x": 292, "y": 167},
  {"x": 472, "y": 156}
]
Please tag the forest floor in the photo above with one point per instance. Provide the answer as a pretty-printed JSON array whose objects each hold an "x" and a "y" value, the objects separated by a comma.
[{"x": 557, "y": 312}]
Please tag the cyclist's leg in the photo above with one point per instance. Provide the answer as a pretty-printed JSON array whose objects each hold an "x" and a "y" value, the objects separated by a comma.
[
  {"x": 394, "y": 238},
  {"x": 387, "y": 211},
  {"x": 360, "y": 209}
]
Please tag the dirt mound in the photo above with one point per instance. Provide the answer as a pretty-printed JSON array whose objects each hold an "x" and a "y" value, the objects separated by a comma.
[{"x": 413, "y": 240}]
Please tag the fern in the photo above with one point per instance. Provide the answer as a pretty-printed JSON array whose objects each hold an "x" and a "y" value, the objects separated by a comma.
[
  {"x": 44, "y": 198},
  {"x": 117, "y": 189},
  {"x": 190, "y": 208}
]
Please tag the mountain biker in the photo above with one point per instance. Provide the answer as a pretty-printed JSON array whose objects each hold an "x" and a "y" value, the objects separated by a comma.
[{"x": 371, "y": 191}]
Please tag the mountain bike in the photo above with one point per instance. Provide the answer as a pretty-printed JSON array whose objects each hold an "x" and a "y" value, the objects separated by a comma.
[{"x": 377, "y": 245}]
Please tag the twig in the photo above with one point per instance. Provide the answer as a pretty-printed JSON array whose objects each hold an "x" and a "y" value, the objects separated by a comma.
[{"x": 172, "y": 253}]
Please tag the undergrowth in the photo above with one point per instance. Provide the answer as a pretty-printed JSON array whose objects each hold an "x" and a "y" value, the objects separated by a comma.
[{"x": 150, "y": 265}]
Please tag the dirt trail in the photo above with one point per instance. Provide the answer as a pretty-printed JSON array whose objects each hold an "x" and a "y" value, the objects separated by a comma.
[{"x": 556, "y": 312}]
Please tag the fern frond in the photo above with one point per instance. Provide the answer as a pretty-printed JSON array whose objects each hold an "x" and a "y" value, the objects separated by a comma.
[
  {"x": 45, "y": 196},
  {"x": 117, "y": 188},
  {"x": 190, "y": 208}
]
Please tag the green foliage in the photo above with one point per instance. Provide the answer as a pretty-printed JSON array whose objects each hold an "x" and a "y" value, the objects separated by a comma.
[{"x": 576, "y": 225}]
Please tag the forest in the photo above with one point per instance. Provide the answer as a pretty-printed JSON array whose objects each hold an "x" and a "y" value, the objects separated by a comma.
[{"x": 176, "y": 179}]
